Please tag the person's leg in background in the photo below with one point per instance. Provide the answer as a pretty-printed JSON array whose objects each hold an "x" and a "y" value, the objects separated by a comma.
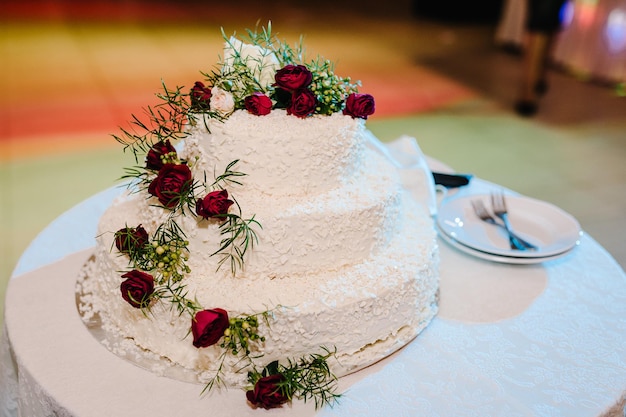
[{"x": 543, "y": 22}]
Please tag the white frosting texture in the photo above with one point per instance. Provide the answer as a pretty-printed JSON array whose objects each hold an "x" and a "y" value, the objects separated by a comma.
[
  {"x": 283, "y": 155},
  {"x": 346, "y": 257}
]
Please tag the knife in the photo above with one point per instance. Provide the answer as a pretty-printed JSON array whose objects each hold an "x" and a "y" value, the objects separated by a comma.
[{"x": 451, "y": 180}]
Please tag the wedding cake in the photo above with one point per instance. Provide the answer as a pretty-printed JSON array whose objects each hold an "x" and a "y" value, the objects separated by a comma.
[{"x": 262, "y": 242}]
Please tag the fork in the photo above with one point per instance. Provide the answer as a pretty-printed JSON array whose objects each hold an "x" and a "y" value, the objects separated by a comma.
[
  {"x": 498, "y": 204},
  {"x": 483, "y": 214}
]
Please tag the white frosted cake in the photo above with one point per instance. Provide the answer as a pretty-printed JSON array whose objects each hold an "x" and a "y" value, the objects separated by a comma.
[{"x": 335, "y": 260}]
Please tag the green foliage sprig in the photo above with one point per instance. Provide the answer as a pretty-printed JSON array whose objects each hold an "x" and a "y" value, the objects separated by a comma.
[
  {"x": 228, "y": 176},
  {"x": 238, "y": 236},
  {"x": 242, "y": 331},
  {"x": 330, "y": 89},
  {"x": 176, "y": 294},
  {"x": 165, "y": 256},
  {"x": 239, "y": 340},
  {"x": 308, "y": 378},
  {"x": 166, "y": 120}
]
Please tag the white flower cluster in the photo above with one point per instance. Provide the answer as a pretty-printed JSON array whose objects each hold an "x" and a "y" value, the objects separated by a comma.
[{"x": 260, "y": 63}]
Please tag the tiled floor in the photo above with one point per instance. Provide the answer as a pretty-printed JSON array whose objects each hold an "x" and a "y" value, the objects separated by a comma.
[{"x": 447, "y": 85}]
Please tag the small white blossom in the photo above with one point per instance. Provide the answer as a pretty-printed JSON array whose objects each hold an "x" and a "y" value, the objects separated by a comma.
[{"x": 222, "y": 101}]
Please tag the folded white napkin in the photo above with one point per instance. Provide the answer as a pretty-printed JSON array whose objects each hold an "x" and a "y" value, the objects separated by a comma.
[{"x": 405, "y": 154}]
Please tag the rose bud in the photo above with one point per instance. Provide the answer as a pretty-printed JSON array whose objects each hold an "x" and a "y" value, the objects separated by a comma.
[
  {"x": 293, "y": 77},
  {"x": 200, "y": 96},
  {"x": 131, "y": 239},
  {"x": 208, "y": 326},
  {"x": 258, "y": 104},
  {"x": 222, "y": 101},
  {"x": 137, "y": 288},
  {"x": 359, "y": 105},
  {"x": 160, "y": 151},
  {"x": 303, "y": 103},
  {"x": 214, "y": 204},
  {"x": 267, "y": 392},
  {"x": 171, "y": 184}
]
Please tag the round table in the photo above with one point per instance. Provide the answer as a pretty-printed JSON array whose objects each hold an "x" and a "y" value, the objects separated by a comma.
[{"x": 510, "y": 340}]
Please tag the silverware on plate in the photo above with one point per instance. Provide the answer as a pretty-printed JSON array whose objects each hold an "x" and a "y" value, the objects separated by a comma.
[
  {"x": 498, "y": 204},
  {"x": 516, "y": 242}
]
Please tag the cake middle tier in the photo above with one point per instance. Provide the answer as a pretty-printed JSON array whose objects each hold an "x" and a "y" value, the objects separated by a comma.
[{"x": 297, "y": 234}]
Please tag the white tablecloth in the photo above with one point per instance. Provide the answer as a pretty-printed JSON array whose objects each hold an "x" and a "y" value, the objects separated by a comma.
[{"x": 510, "y": 340}]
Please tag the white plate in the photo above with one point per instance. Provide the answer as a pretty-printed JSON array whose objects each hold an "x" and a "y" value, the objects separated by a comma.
[
  {"x": 553, "y": 230},
  {"x": 498, "y": 258}
]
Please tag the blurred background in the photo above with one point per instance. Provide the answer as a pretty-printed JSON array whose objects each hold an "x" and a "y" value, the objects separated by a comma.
[{"x": 445, "y": 72}]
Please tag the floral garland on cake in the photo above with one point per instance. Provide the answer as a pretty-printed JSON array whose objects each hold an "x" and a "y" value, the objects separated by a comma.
[
  {"x": 268, "y": 74},
  {"x": 257, "y": 77}
]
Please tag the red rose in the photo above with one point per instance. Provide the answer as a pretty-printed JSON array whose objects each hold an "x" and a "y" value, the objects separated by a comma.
[
  {"x": 303, "y": 103},
  {"x": 359, "y": 105},
  {"x": 154, "y": 159},
  {"x": 293, "y": 77},
  {"x": 137, "y": 288},
  {"x": 258, "y": 104},
  {"x": 200, "y": 96},
  {"x": 130, "y": 239},
  {"x": 171, "y": 184},
  {"x": 208, "y": 326},
  {"x": 267, "y": 392},
  {"x": 214, "y": 204}
]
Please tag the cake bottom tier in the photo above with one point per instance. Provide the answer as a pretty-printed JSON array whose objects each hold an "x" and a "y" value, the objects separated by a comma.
[{"x": 365, "y": 311}]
